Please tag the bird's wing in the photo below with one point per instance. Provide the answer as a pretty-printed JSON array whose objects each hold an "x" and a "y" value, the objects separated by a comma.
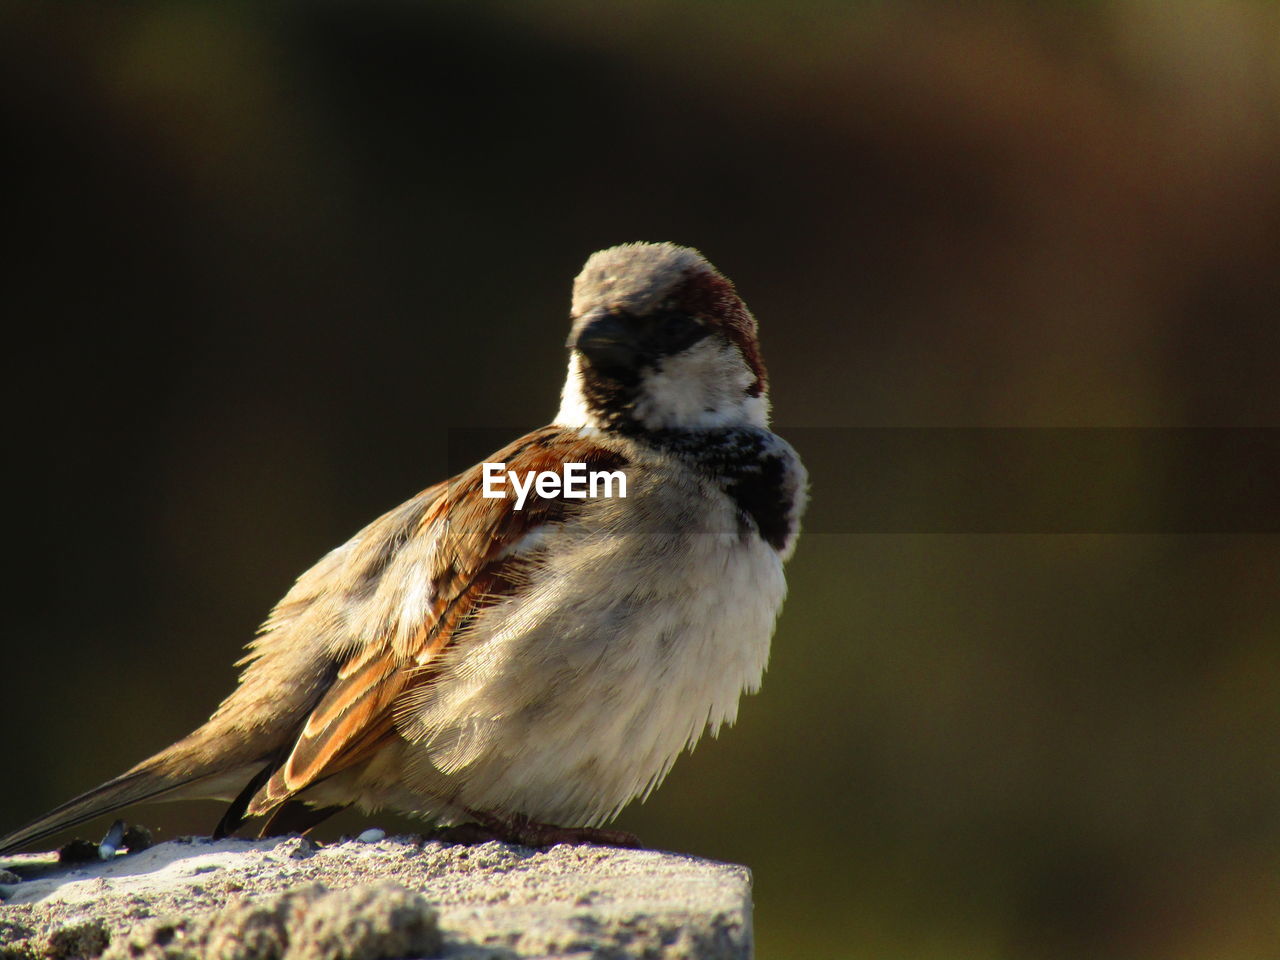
[{"x": 470, "y": 546}]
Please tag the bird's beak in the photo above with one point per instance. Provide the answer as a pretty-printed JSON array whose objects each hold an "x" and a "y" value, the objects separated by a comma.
[{"x": 609, "y": 342}]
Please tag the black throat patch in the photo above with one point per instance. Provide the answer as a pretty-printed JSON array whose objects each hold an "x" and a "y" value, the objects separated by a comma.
[{"x": 752, "y": 470}]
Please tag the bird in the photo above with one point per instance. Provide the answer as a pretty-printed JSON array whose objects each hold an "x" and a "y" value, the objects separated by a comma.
[{"x": 527, "y": 667}]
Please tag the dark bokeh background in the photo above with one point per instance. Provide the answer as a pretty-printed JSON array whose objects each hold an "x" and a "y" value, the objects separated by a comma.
[{"x": 263, "y": 257}]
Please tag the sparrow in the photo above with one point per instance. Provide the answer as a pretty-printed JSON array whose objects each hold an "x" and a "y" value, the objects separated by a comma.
[{"x": 529, "y": 670}]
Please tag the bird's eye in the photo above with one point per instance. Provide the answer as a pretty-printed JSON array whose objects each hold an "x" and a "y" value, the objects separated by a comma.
[{"x": 676, "y": 331}]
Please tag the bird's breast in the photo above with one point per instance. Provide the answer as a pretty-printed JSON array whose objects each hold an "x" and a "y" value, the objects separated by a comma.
[{"x": 642, "y": 623}]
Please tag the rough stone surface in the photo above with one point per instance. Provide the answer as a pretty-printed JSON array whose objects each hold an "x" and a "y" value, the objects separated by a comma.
[
  {"x": 393, "y": 898},
  {"x": 373, "y": 922}
]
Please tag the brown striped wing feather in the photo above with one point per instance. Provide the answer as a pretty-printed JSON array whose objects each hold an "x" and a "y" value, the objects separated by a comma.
[{"x": 356, "y": 716}]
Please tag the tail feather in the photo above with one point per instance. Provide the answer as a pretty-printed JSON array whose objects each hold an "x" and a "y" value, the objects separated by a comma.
[{"x": 139, "y": 784}]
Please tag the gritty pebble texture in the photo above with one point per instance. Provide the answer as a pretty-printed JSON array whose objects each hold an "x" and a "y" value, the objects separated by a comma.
[{"x": 391, "y": 898}]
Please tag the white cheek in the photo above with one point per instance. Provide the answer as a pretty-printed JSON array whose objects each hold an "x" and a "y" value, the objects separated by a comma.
[
  {"x": 704, "y": 388},
  {"x": 573, "y": 405}
]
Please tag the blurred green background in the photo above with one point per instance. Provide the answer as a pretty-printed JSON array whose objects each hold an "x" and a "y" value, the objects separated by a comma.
[{"x": 265, "y": 256}]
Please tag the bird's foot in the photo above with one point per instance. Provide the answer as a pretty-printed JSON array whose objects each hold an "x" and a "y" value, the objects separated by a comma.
[
  {"x": 522, "y": 830},
  {"x": 466, "y": 833},
  {"x": 531, "y": 833}
]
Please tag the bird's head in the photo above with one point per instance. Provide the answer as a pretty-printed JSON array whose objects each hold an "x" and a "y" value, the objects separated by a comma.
[{"x": 661, "y": 341}]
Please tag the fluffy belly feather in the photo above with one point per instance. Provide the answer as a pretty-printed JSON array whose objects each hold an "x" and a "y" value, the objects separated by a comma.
[{"x": 613, "y": 684}]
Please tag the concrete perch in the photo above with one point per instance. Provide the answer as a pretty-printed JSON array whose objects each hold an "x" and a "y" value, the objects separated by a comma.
[{"x": 392, "y": 898}]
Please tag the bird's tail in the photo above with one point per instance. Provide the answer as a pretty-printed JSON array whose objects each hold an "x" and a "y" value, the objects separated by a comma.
[{"x": 143, "y": 782}]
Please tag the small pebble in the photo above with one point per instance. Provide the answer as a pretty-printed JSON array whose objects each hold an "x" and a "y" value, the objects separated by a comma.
[
  {"x": 137, "y": 838},
  {"x": 112, "y": 841},
  {"x": 78, "y": 851},
  {"x": 372, "y": 835},
  {"x": 297, "y": 848}
]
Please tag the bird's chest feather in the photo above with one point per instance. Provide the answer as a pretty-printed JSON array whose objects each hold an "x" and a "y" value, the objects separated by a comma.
[{"x": 642, "y": 624}]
